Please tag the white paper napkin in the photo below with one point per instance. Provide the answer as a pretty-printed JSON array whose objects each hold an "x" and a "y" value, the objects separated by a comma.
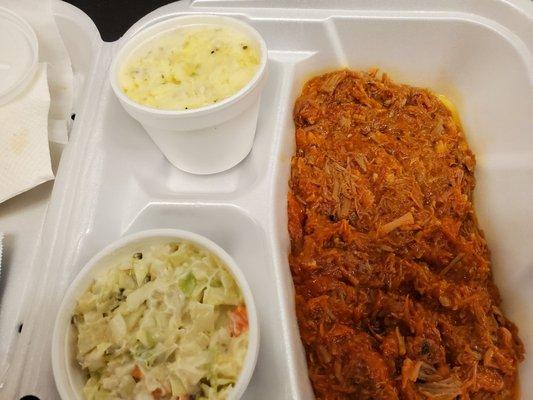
[
  {"x": 39, "y": 114},
  {"x": 24, "y": 151}
]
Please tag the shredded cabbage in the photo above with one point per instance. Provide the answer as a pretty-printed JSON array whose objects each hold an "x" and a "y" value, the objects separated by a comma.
[{"x": 165, "y": 323}]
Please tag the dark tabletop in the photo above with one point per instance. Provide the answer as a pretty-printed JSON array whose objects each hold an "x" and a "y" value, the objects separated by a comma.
[{"x": 114, "y": 17}]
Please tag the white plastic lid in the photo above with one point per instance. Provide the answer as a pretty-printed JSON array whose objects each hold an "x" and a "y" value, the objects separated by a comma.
[{"x": 19, "y": 52}]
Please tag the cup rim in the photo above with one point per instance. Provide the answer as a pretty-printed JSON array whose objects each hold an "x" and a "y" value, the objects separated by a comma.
[
  {"x": 12, "y": 91},
  {"x": 62, "y": 365},
  {"x": 217, "y": 20}
]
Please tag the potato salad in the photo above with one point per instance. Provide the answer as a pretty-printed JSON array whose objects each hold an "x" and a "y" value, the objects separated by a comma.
[{"x": 190, "y": 67}]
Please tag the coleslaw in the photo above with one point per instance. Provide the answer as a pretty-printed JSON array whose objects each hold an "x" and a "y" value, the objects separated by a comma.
[{"x": 168, "y": 322}]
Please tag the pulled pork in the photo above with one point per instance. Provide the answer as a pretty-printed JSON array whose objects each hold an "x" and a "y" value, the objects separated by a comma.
[{"x": 394, "y": 291}]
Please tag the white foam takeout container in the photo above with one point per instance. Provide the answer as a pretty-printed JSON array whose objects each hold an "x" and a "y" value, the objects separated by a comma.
[
  {"x": 205, "y": 140},
  {"x": 113, "y": 180},
  {"x": 69, "y": 378}
]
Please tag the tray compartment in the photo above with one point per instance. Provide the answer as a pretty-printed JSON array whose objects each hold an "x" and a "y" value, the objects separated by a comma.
[
  {"x": 244, "y": 239},
  {"x": 129, "y": 150},
  {"x": 482, "y": 71}
]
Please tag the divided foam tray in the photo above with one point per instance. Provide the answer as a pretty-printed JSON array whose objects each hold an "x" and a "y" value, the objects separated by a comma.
[{"x": 113, "y": 180}]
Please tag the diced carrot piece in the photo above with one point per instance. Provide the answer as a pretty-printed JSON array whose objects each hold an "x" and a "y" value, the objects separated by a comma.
[
  {"x": 136, "y": 373},
  {"x": 238, "y": 320}
]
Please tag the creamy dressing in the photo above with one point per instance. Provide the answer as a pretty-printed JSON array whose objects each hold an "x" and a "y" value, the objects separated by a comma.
[
  {"x": 164, "y": 323},
  {"x": 190, "y": 67}
]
